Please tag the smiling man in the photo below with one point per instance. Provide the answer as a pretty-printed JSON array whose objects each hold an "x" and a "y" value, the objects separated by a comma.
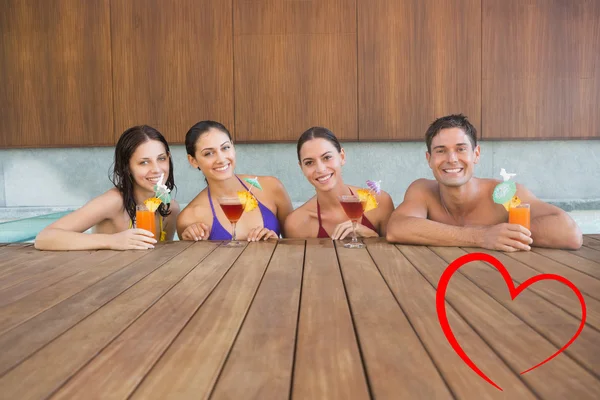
[{"x": 457, "y": 209}]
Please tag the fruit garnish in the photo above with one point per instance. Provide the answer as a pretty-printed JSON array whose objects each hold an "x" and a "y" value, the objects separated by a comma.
[
  {"x": 367, "y": 197},
  {"x": 248, "y": 200},
  {"x": 152, "y": 203}
]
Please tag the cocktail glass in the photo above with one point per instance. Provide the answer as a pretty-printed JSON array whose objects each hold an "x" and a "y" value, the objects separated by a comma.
[
  {"x": 233, "y": 209},
  {"x": 520, "y": 215},
  {"x": 354, "y": 209},
  {"x": 145, "y": 219}
]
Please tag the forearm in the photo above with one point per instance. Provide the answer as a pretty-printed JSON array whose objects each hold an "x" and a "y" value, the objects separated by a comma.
[
  {"x": 421, "y": 231},
  {"x": 58, "y": 239},
  {"x": 557, "y": 231}
]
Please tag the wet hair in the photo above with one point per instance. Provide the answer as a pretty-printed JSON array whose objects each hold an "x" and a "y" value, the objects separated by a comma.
[
  {"x": 317, "y": 132},
  {"x": 192, "y": 136},
  {"x": 451, "y": 121},
  {"x": 121, "y": 177}
]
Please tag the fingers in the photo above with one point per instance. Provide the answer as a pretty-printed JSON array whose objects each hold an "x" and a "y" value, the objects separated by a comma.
[
  {"x": 519, "y": 228},
  {"x": 270, "y": 235},
  {"x": 139, "y": 231},
  {"x": 195, "y": 232},
  {"x": 520, "y": 236},
  {"x": 138, "y": 247},
  {"x": 346, "y": 232},
  {"x": 259, "y": 233},
  {"x": 340, "y": 229},
  {"x": 513, "y": 245}
]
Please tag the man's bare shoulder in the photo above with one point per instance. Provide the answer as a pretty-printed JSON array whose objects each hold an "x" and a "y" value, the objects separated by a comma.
[{"x": 423, "y": 187}]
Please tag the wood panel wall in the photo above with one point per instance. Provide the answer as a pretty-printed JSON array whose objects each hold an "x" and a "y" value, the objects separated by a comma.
[
  {"x": 55, "y": 73},
  {"x": 173, "y": 64},
  {"x": 418, "y": 60},
  {"x": 295, "y": 67},
  {"x": 541, "y": 69},
  {"x": 78, "y": 73}
]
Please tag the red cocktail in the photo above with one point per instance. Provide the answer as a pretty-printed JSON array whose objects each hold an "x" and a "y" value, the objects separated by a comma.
[
  {"x": 233, "y": 212},
  {"x": 354, "y": 210},
  {"x": 233, "y": 209}
]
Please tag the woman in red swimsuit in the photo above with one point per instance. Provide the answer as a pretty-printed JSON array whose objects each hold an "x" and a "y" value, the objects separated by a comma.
[{"x": 321, "y": 157}]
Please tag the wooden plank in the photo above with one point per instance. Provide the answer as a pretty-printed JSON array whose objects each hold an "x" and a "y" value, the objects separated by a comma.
[
  {"x": 589, "y": 253},
  {"x": 410, "y": 59},
  {"x": 56, "y": 75},
  {"x": 597, "y": 237},
  {"x": 537, "y": 308},
  {"x": 298, "y": 53},
  {"x": 181, "y": 87},
  {"x": 328, "y": 364},
  {"x": 11, "y": 256},
  {"x": 590, "y": 242},
  {"x": 27, "y": 263},
  {"x": 522, "y": 348},
  {"x": 282, "y": 17},
  {"x": 588, "y": 287},
  {"x": 416, "y": 296},
  {"x": 191, "y": 365},
  {"x": 314, "y": 75},
  {"x": 36, "y": 303},
  {"x": 262, "y": 358},
  {"x": 540, "y": 57},
  {"x": 581, "y": 264},
  {"x": 118, "y": 369},
  {"x": 43, "y": 273},
  {"x": 394, "y": 357},
  {"x": 27, "y": 338},
  {"x": 555, "y": 292}
]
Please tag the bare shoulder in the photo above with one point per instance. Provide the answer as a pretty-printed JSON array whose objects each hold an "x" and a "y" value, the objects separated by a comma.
[
  {"x": 197, "y": 207},
  {"x": 199, "y": 199},
  {"x": 268, "y": 182},
  {"x": 384, "y": 199},
  {"x": 112, "y": 198},
  {"x": 422, "y": 188},
  {"x": 110, "y": 201},
  {"x": 298, "y": 222}
]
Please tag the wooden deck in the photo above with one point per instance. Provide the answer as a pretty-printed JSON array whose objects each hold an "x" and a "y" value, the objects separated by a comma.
[{"x": 292, "y": 319}]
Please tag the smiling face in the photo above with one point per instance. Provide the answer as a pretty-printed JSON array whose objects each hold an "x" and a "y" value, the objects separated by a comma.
[
  {"x": 215, "y": 155},
  {"x": 147, "y": 163},
  {"x": 452, "y": 158},
  {"x": 321, "y": 163}
]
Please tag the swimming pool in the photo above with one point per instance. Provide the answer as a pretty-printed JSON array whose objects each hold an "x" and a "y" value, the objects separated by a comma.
[{"x": 26, "y": 229}]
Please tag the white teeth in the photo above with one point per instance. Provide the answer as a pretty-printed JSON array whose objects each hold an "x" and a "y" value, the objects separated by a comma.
[
  {"x": 223, "y": 168},
  {"x": 324, "y": 178},
  {"x": 453, "y": 171}
]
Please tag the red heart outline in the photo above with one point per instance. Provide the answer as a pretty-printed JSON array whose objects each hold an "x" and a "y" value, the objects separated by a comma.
[{"x": 440, "y": 302}]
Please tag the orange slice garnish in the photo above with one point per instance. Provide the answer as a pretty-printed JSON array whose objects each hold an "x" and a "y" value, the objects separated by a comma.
[
  {"x": 368, "y": 199},
  {"x": 152, "y": 203},
  {"x": 248, "y": 200}
]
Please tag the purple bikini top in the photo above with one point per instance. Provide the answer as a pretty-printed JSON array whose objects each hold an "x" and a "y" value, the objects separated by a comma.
[{"x": 218, "y": 232}]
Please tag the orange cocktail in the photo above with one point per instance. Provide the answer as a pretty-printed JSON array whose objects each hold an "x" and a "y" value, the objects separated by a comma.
[
  {"x": 520, "y": 215},
  {"x": 145, "y": 219}
]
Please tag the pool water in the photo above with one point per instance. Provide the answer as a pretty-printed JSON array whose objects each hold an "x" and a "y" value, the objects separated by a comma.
[{"x": 26, "y": 229}]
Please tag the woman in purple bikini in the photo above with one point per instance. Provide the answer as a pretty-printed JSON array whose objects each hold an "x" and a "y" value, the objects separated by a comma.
[
  {"x": 210, "y": 149},
  {"x": 321, "y": 157}
]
